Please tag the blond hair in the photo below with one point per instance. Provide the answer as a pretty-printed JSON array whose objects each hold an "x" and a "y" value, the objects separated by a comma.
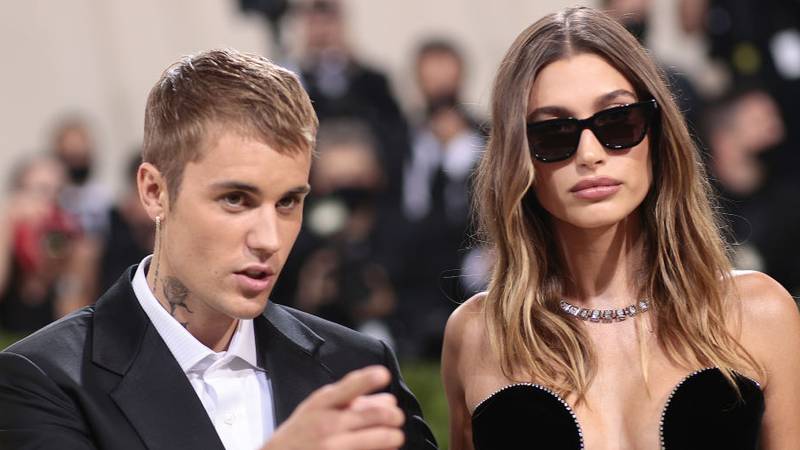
[
  {"x": 686, "y": 269},
  {"x": 228, "y": 90}
]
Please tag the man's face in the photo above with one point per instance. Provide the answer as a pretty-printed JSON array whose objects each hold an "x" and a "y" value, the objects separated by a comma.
[
  {"x": 439, "y": 75},
  {"x": 237, "y": 214}
]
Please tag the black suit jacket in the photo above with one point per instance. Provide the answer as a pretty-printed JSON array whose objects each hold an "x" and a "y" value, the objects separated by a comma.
[{"x": 102, "y": 377}]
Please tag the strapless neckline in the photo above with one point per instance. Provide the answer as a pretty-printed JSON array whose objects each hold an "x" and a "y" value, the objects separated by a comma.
[{"x": 568, "y": 408}]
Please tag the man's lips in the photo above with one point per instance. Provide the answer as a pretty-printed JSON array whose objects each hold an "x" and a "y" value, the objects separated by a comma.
[
  {"x": 257, "y": 271},
  {"x": 255, "y": 279}
]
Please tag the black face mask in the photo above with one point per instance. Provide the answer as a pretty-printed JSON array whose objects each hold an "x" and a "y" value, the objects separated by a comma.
[
  {"x": 443, "y": 102},
  {"x": 78, "y": 174}
]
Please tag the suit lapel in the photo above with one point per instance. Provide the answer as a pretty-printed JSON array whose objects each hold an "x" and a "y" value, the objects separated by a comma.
[
  {"x": 153, "y": 393},
  {"x": 289, "y": 352}
]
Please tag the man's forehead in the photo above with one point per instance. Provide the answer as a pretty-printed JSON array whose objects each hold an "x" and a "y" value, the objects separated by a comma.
[
  {"x": 213, "y": 131},
  {"x": 234, "y": 158}
]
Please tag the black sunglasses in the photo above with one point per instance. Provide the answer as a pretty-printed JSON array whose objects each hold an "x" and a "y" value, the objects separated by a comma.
[{"x": 616, "y": 128}]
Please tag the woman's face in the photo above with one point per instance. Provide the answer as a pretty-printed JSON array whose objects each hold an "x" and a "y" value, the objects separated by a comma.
[{"x": 595, "y": 187}]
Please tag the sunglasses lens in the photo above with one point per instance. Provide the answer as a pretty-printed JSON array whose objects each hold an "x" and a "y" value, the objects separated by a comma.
[
  {"x": 622, "y": 127},
  {"x": 554, "y": 140},
  {"x": 616, "y": 128}
]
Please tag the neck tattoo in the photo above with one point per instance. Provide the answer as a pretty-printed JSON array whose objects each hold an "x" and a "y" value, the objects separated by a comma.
[
  {"x": 605, "y": 315},
  {"x": 176, "y": 293}
]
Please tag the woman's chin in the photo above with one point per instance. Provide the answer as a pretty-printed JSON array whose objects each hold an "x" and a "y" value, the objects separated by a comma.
[{"x": 595, "y": 221}]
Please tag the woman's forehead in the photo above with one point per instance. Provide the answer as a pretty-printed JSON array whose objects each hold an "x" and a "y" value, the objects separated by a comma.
[{"x": 577, "y": 82}]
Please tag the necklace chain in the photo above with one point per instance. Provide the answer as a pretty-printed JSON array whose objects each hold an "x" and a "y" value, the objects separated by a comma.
[{"x": 605, "y": 315}]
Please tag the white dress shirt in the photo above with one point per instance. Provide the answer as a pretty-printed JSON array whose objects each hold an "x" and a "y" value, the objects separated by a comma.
[
  {"x": 456, "y": 158},
  {"x": 235, "y": 392}
]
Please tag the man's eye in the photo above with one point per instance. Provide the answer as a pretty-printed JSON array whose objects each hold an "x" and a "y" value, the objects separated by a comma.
[
  {"x": 235, "y": 200},
  {"x": 288, "y": 202}
]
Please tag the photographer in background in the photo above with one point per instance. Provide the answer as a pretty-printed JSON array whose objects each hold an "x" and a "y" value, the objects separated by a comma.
[
  {"x": 43, "y": 274},
  {"x": 346, "y": 277}
]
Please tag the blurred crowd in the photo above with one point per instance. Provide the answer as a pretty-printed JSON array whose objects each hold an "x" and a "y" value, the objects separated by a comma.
[{"x": 388, "y": 245}]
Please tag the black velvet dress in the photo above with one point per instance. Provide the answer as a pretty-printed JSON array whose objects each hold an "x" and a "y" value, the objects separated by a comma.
[{"x": 702, "y": 412}]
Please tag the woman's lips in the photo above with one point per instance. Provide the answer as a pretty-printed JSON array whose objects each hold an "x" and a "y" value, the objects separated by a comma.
[
  {"x": 596, "y": 188},
  {"x": 597, "y": 192}
]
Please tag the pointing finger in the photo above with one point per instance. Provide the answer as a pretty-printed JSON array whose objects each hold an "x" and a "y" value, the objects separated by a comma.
[{"x": 354, "y": 384}]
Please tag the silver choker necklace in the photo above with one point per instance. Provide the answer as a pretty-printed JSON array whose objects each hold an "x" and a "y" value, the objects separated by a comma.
[{"x": 605, "y": 315}]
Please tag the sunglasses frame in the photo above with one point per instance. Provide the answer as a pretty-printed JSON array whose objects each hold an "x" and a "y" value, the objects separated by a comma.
[{"x": 650, "y": 108}]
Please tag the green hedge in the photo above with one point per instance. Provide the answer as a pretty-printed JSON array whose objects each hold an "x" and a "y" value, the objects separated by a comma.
[
  {"x": 7, "y": 339},
  {"x": 425, "y": 381}
]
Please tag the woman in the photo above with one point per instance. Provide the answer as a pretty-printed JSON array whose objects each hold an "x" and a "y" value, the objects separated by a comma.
[{"x": 613, "y": 319}]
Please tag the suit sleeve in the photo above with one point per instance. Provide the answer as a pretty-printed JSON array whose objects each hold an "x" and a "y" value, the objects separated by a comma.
[
  {"x": 34, "y": 412},
  {"x": 418, "y": 435}
]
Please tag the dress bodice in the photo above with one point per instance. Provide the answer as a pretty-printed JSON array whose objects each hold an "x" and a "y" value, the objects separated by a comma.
[{"x": 703, "y": 411}]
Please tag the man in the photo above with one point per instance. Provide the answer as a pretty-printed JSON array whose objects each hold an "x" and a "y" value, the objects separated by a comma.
[
  {"x": 83, "y": 195},
  {"x": 185, "y": 352},
  {"x": 342, "y": 86},
  {"x": 447, "y": 144}
]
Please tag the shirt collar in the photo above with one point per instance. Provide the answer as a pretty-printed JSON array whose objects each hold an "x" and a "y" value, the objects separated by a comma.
[{"x": 186, "y": 349}]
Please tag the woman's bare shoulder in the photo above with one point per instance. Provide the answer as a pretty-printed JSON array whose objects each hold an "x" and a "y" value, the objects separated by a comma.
[
  {"x": 465, "y": 327},
  {"x": 467, "y": 354},
  {"x": 472, "y": 307},
  {"x": 770, "y": 317},
  {"x": 763, "y": 300}
]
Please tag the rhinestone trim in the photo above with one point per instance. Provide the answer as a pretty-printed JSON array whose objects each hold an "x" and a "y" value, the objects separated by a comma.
[
  {"x": 547, "y": 390},
  {"x": 604, "y": 315}
]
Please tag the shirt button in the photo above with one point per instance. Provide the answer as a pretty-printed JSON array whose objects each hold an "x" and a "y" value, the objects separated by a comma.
[{"x": 229, "y": 419}]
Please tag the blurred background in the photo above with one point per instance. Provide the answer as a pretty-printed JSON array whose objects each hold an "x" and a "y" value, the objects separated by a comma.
[{"x": 401, "y": 89}]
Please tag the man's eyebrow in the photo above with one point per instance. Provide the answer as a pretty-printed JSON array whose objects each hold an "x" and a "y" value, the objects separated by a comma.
[
  {"x": 300, "y": 190},
  {"x": 236, "y": 186},
  {"x": 246, "y": 187}
]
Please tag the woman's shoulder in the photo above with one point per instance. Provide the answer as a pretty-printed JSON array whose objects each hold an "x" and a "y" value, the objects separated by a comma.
[
  {"x": 770, "y": 319},
  {"x": 468, "y": 356},
  {"x": 465, "y": 335},
  {"x": 467, "y": 320},
  {"x": 762, "y": 298}
]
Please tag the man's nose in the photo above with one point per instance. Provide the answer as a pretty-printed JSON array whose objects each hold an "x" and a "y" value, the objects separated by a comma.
[{"x": 263, "y": 237}]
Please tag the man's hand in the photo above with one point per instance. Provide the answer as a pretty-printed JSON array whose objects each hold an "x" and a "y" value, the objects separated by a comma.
[{"x": 341, "y": 416}]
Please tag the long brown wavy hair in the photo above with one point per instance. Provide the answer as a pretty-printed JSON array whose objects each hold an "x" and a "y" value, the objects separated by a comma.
[{"x": 686, "y": 271}]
